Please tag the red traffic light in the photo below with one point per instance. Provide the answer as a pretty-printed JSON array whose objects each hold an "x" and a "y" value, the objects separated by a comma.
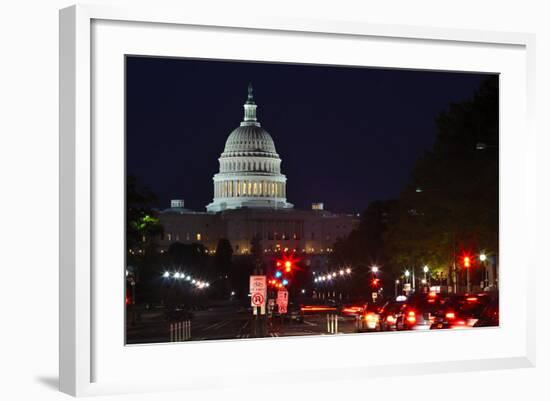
[
  {"x": 288, "y": 266},
  {"x": 466, "y": 261},
  {"x": 375, "y": 282}
]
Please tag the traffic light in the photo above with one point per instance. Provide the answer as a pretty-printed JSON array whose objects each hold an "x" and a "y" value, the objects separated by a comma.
[
  {"x": 466, "y": 261},
  {"x": 288, "y": 266},
  {"x": 375, "y": 282}
]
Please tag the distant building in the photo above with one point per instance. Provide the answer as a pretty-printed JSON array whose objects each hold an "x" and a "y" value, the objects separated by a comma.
[{"x": 250, "y": 200}]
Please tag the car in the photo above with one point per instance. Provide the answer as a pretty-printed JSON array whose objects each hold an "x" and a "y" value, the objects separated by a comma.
[
  {"x": 294, "y": 312},
  {"x": 370, "y": 319},
  {"x": 461, "y": 311},
  {"x": 419, "y": 311},
  {"x": 353, "y": 309},
  {"x": 390, "y": 313},
  {"x": 490, "y": 314},
  {"x": 178, "y": 313}
]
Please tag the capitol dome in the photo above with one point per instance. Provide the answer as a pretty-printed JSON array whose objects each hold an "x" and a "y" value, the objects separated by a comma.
[{"x": 250, "y": 168}]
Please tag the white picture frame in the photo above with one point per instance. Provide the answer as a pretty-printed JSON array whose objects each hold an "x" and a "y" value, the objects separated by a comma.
[{"x": 84, "y": 353}]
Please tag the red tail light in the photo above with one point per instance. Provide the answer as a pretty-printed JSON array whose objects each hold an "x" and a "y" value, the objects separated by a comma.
[
  {"x": 371, "y": 317},
  {"x": 391, "y": 319},
  {"x": 450, "y": 315},
  {"x": 411, "y": 317}
]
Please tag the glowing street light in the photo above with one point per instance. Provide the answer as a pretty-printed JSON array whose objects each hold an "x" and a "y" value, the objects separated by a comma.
[
  {"x": 348, "y": 270},
  {"x": 425, "y": 269},
  {"x": 166, "y": 274},
  {"x": 374, "y": 269},
  {"x": 482, "y": 257}
]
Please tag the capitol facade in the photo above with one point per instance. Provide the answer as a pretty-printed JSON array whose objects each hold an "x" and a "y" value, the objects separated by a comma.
[{"x": 250, "y": 200}]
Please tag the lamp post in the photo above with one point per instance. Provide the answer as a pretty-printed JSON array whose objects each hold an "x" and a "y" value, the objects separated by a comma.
[
  {"x": 425, "y": 269},
  {"x": 396, "y": 287},
  {"x": 483, "y": 259}
]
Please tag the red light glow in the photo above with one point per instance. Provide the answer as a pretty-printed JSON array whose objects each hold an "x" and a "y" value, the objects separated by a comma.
[{"x": 317, "y": 308}]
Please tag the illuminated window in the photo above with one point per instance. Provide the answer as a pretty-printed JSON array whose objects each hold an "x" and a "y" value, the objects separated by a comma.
[
  {"x": 255, "y": 188},
  {"x": 169, "y": 237},
  {"x": 249, "y": 191},
  {"x": 199, "y": 236}
]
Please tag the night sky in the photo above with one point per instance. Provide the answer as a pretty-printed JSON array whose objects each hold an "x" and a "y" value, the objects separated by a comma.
[{"x": 346, "y": 136}]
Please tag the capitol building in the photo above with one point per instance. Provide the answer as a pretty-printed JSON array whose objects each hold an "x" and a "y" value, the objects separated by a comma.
[{"x": 250, "y": 199}]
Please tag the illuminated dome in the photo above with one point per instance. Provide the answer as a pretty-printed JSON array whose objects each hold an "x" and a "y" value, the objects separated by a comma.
[{"x": 250, "y": 168}]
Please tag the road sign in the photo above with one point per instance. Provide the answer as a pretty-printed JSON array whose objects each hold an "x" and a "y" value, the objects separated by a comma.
[
  {"x": 282, "y": 300},
  {"x": 258, "y": 290},
  {"x": 374, "y": 296},
  {"x": 258, "y": 299}
]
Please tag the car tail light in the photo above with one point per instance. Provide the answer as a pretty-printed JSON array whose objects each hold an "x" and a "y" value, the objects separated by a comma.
[
  {"x": 461, "y": 323},
  {"x": 391, "y": 319},
  {"x": 450, "y": 315},
  {"x": 471, "y": 299},
  {"x": 411, "y": 317},
  {"x": 370, "y": 317}
]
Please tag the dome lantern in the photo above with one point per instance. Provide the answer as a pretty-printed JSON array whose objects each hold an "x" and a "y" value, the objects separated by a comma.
[{"x": 250, "y": 109}]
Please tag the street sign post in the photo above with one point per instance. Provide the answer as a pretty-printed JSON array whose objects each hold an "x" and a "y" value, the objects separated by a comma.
[
  {"x": 258, "y": 293},
  {"x": 282, "y": 301}
]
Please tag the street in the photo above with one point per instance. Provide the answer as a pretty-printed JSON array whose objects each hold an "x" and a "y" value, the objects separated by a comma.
[{"x": 229, "y": 322}]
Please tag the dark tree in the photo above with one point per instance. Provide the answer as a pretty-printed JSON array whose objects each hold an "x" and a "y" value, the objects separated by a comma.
[
  {"x": 224, "y": 256},
  {"x": 451, "y": 204},
  {"x": 257, "y": 253}
]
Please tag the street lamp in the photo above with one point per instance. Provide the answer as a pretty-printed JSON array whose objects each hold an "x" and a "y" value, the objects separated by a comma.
[
  {"x": 425, "y": 269},
  {"x": 396, "y": 287},
  {"x": 407, "y": 274},
  {"x": 374, "y": 269},
  {"x": 482, "y": 259}
]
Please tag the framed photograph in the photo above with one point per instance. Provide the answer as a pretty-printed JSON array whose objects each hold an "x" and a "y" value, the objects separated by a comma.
[{"x": 235, "y": 188}]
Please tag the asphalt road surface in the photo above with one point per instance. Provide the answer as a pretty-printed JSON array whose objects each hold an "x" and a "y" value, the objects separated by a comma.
[{"x": 230, "y": 322}]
